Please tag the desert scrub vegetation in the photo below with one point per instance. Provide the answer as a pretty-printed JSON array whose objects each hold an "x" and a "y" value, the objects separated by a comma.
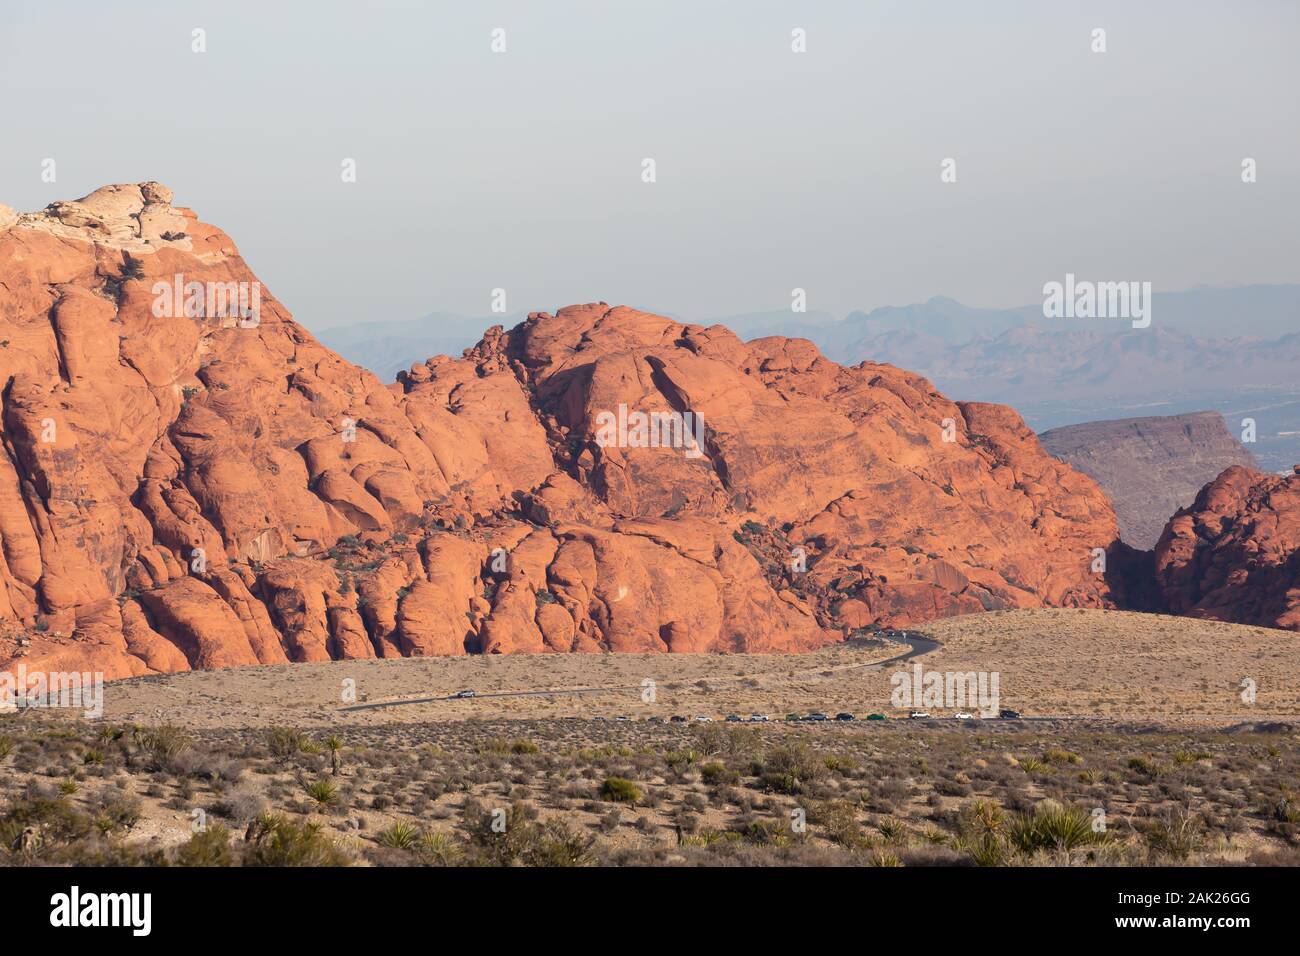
[{"x": 543, "y": 793}]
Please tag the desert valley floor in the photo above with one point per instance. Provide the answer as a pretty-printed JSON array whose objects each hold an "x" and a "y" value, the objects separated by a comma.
[
  {"x": 1137, "y": 748},
  {"x": 1054, "y": 662}
]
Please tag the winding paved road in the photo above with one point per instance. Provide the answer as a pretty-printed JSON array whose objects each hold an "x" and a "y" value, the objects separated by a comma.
[{"x": 917, "y": 646}]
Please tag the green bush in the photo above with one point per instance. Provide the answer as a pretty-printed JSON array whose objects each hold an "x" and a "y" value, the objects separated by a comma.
[
  {"x": 324, "y": 792},
  {"x": 400, "y": 836},
  {"x": 279, "y": 841},
  {"x": 163, "y": 745},
  {"x": 714, "y": 773},
  {"x": 284, "y": 742},
  {"x": 1053, "y": 826},
  {"x": 209, "y": 847},
  {"x": 620, "y": 790},
  {"x": 789, "y": 769}
]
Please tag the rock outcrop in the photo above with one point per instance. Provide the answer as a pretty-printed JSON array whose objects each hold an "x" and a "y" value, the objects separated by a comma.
[
  {"x": 1150, "y": 467},
  {"x": 190, "y": 480},
  {"x": 1234, "y": 554}
]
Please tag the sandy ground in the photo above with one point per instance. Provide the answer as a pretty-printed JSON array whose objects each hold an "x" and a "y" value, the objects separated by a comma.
[{"x": 1049, "y": 663}]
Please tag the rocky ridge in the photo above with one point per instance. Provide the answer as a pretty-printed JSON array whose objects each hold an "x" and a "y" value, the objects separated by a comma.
[{"x": 184, "y": 486}]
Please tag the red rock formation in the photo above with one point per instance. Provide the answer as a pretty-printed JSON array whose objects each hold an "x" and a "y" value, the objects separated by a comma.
[
  {"x": 1234, "y": 554},
  {"x": 191, "y": 484}
]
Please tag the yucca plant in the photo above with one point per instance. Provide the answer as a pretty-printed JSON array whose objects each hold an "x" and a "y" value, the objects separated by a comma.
[
  {"x": 1053, "y": 826},
  {"x": 400, "y": 836},
  {"x": 334, "y": 744},
  {"x": 439, "y": 849},
  {"x": 989, "y": 850},
  {"x": 323, "y": 791},
  {"x": 892, "y": 830}
]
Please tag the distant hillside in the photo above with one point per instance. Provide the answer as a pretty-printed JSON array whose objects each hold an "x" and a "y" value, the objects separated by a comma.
[
  {"x": 1150, "y": 467},
  {"x": 387, "y": 348}
]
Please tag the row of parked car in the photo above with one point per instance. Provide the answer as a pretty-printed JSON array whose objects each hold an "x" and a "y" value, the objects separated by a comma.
[{"x": 814, "y": 717}]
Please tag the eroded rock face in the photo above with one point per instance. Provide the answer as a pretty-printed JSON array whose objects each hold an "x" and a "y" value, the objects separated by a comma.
[
  {"x": 1234, "y": 554},
  {"x": 1150, "y": 467},
  {"x": 191, "y": 480}
]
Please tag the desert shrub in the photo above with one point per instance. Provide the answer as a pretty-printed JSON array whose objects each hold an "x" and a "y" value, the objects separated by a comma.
[
  {"x": 54, "y": 819},
  {"x": 510, "y": 837},
  {"x": 839, "y": 820},
  {"x": 714, "y": 773},
  {"x": 279, "y": 841},
  {"x": 438, "y": 849},
  {"x": 323, "y": 791},
  {"x": 115, "y": 811},
  {"x": 679, "y": 760},
  {"x": 284, "y": 742},
  {"x": 209, "y": 847},
  {"x": 620, "y": 790},
  {"x": 1054, "y": 826},
  {"x": 891, "y": 829},
  {"x": 1177, "y": 833},
  {"x": 163, "y": 745},
  {"x": 789, "y": 769},
  {"x": 767, "y": 832},
  {"x": 240, "y": 806},
  {"x": 1059, "y": 756},
  {"x": 561, "y": 845},
  {"x": 1144, "y": 766},
  {"x": 401, "y": 835}
]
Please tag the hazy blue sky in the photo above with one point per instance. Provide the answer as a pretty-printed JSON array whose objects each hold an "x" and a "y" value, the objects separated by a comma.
[{"x": 821, "y": 170}]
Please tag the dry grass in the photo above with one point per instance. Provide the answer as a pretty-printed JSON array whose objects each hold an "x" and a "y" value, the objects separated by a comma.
[
  {"x": 1050, "y": 662},
  {"x": 549, "y": 793}
]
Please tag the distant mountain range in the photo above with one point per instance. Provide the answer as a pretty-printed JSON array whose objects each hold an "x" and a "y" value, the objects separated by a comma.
[
  {"x": 387, "y": 348},
  {"x": 1233, "y": 350}
]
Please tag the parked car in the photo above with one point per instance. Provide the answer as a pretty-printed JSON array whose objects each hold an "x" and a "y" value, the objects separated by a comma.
[
  {"x": 844, "y": 716},
  {"x": 705, "y": 720},
  {"x": 816, "y": 715},
  {"x": 918, "y": 715},
  {"x": 656, "y": 719},
  {"x": 876, "y": 717},
  {"x": 677, "y": 719},
  {"x": 793, "y": 717},
  {"x": 962, "y": 715},
  {"x": 757, "y": 718},
  {"x": 733, "y": 718},
  {"x": 622, "y": 717},
  {"x": 462, "y": 694},
  {"x": 1008, "y": 714}
]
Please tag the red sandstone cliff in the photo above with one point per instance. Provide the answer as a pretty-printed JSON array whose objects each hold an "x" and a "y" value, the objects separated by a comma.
[
  {"x": 1234, "y": 553},
  {"x": 469, "y": 507}
]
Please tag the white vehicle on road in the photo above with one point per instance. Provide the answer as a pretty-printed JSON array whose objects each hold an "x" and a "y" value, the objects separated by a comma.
[
  {"x": 918, "y": 715},
  {"x": 962, "y": 715}
]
